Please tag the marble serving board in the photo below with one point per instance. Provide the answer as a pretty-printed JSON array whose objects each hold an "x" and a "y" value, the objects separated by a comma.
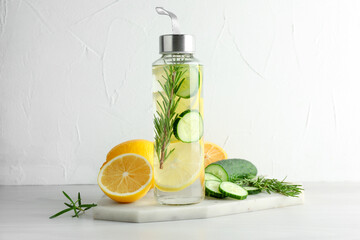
[{"x": 148, "y": 210}]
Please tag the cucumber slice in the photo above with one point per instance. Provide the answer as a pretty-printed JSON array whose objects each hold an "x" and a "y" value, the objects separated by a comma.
[
  {"x": 218, "y": 171},
  {"x": 190, "y": 85},
  {"x": 233, "y": 190},
  {"x": 189, "y": 127},
  {"x": 252, "y": 190},
  {"x": 209, "y": 176},
  {"x": 212, "y": 189}
]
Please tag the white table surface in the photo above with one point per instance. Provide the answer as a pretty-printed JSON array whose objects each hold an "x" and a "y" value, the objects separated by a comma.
[{"x": 331, "y": 211}]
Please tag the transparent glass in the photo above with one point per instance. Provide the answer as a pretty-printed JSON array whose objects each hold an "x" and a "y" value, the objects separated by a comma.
[{"x": 178, "y": 124}]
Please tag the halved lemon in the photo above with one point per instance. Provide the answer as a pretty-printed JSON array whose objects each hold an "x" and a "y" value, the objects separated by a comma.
[
  {"x": 213, "y": 153},
  {"x": 142, "y": 147},
  {"x": 126, "y": 178},
  {"x": 181, "y": 169}
]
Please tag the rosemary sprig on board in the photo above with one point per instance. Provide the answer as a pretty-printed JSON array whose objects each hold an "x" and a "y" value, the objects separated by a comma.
[
  {"x": 80, "y": 208},
  {"x": 165, "y": 117},
  {"x": 272, "y": 185}
]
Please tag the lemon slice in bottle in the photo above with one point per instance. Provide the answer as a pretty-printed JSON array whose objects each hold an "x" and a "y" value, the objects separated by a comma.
[{"x": 182, "y": 167}]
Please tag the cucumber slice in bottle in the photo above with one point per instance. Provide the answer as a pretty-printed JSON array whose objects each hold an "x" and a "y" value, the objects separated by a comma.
[
  {"x": 189, "y": 87},
  {"x": 209, "y": 177},
  {"x": 252, "y": 190},
  {"x": 212, "y": 189},
  {"x": 189, "y": 127},
  {"x": 233, "y": 190}
]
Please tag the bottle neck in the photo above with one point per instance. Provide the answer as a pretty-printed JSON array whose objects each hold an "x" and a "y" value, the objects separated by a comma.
[
  {"x": 177, "y": 55},
  {"x": 176, "y": 58}
]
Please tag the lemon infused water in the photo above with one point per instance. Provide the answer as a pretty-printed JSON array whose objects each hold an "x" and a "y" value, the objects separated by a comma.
[
  {"x": 178, "y": 119},
  {"x": 179, "y": 129}
]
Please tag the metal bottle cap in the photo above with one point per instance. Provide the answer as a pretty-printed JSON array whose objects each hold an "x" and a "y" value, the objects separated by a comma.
[{"x": 176, "y": 43}]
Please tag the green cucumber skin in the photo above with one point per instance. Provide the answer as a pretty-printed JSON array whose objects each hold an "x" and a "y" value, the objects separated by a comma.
[
  {"x": 253, "y": 191},
  {"x": 177, "y": 120},
  {"x": 175, "y": 127},
  {"x": 211, "y": 193},
  {"x": 235, "y": 168},
  {"x": 227, "y": 194}
]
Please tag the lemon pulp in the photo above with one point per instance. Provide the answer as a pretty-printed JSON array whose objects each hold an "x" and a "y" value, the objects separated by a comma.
[{"x": 182, "y": 167}]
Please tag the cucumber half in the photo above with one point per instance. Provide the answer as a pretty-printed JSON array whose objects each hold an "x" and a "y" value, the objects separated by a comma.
[
  {"x": 190, "y": 85},
  {"x": 233, "y": 190},
  {"x": 232, "y": 169},
  {"x": 189, "y": 126},
  {"x": 209, "y": 177},
  {"x": 212, "y": 189},
  {"x": 252, "y": 190}
]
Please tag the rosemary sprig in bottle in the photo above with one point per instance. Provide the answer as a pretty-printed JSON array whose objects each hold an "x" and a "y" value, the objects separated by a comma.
[
  {"x": 272, "y": 185},
  {"x": 165, "y": 117}
]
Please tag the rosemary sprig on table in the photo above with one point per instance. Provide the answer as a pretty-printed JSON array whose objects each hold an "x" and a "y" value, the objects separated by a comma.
[
  {"x": 272, "y": 185},
  {"x": 80, "y": 208},
  {"x": 164, "y": 119}
]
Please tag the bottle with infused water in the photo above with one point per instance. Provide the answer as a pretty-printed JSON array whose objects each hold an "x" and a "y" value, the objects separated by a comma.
[{"x": 178, "y": 120}]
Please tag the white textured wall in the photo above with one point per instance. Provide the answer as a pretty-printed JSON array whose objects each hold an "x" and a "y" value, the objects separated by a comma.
[{"x": 281, "y": 89}]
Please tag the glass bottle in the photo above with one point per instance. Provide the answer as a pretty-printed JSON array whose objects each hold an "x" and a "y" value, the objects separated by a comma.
[{"x": 178, "y": 122}]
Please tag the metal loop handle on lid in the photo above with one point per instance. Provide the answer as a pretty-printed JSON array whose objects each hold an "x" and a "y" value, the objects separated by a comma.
[{"x": 173, "y": 17}]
